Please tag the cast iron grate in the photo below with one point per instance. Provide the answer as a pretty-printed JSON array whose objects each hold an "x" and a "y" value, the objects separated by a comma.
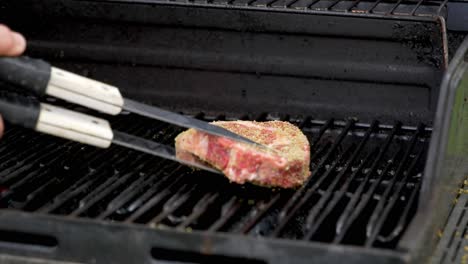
[
  {"x": 388, "y": 8},
  {"x": 363, "y": 190},
  {"x": 453, "y": 246}
]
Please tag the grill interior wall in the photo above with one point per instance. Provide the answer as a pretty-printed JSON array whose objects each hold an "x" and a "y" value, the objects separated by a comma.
[{"x": 369, "y": 65}]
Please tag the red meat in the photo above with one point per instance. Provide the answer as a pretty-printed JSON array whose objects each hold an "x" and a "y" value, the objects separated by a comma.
[{"x": 284, "y": 164}]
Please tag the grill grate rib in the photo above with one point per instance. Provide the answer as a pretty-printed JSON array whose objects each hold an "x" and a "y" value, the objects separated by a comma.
[
  {"x": 363, "y": 191},
  {"x": 376, "y": 222},
  {"x": 312, "y": 225},
  {"x": 410, "y": 9}
]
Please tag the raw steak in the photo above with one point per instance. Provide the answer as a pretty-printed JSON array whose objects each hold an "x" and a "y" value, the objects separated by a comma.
[{"x": 284, "y": 164}]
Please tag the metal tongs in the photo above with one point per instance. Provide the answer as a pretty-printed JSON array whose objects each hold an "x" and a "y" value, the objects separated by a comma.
[{"x": 40, "y": 78}]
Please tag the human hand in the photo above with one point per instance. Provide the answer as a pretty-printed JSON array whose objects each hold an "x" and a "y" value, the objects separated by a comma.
[{"x": 11, "y": 44}]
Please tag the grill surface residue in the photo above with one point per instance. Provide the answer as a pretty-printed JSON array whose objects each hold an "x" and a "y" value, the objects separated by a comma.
[
  {"x": 363, "y": 190},
  {"x": 453, "y": 245}
]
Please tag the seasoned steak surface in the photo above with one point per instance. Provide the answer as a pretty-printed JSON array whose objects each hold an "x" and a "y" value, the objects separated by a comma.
[{"x": 284, "y": 164}]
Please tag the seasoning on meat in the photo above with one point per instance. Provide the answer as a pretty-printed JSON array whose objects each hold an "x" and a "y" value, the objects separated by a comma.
[{"x": 284, "y": 164}]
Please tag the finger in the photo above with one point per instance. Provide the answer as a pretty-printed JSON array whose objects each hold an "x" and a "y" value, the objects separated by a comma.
[
  {"x": 6, "y": 40},
  {"x": 1, "y": 126},
  {"x": 19, "y": 45}
]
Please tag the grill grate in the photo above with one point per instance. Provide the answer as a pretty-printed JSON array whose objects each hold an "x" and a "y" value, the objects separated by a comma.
[
  {"x": 388, "y": 8},
  {"x": 363, "y": 189}
]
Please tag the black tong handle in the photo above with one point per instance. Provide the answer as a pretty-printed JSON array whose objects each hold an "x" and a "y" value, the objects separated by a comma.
[
  {"x": 19, "y": 110},
  {"x": 30, "y": 74}
]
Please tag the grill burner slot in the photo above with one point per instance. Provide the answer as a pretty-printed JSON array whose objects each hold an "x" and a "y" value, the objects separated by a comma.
[
  {"x": 363, "y": 189},
  {"x": 178, "y": 256},
  {"x": 30, "y": 239}
]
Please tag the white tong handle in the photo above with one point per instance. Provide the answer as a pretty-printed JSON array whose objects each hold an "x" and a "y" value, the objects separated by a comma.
[
  {"x": 74, "y": 126},
  {"x": 84, "y": 91}
]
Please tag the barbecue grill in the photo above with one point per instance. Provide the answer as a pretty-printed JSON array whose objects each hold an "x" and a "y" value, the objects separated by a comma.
[{"x": 364, "y": 80}]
